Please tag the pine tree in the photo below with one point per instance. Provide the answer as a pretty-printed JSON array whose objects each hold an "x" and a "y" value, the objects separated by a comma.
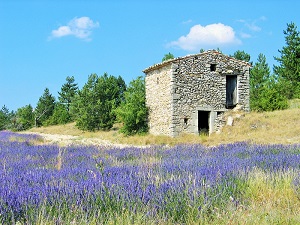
[
  {"x": 5, "y": 118},
  {"x": 95, "y": 104},
  {"x": 264, "y": 93},
  {"x": 67, "y": 93},
  {"x": 133, "y": 112},
  {"x": 62, "y": 113},
  {"x": 86, "y": 106},
  {"x": 167, "y": 57},
  {"x": 241, "y": 55},
  {"x": 288, "y": 70},
  {"x": 44, "y": 108},
  {"x": 111, "y": 92}
]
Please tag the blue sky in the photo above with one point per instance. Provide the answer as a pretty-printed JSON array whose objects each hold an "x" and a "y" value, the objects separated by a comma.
[{"x": 42, "y": 41}]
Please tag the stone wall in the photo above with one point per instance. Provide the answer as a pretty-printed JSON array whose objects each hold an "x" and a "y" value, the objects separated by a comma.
[
  {"x": 159, "y": 101},
  {"x": 178, "y": 89}
]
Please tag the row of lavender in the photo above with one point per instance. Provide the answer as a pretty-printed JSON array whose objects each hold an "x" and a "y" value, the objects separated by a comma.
[{"x": 158, "y": 182}]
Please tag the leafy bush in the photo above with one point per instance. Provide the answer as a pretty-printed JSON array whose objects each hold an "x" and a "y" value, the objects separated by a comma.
[
  {"x": 60, "y": 115},
  {"x": 265, "y": 91},
  {"x": 133, "y": 112}
]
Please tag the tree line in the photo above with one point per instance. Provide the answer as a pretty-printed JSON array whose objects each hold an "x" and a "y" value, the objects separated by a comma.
[
  {"x": 102, "y": 101},
  {"x": 271, "y": 91},
  {"x": 105, "y": 100}
]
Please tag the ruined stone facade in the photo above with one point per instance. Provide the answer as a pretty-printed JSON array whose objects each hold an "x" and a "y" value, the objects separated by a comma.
[{"x": 190, "y": 94}]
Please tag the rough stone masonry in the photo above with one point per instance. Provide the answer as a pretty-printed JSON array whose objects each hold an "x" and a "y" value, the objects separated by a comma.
[{"x": 190, "y": 94}]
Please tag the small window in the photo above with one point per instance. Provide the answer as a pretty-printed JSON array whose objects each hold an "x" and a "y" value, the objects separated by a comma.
[
  {"x": 157, "y": 80},
  {"x": 185, "y": 121},
  {"x": 213, "y": 67}
]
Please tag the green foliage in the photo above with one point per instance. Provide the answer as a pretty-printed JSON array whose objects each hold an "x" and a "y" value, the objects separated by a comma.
[
  {"x": 95, "y": 104},
  {"x": 288, "y": 70},
  {"x": 24, "y": 118},
  {"x": 111, "y": 92},
  {"x": 264, "y": 90},
  {"x": 5, "y": 118},
  {"x": 133, "y": 112},
  {"x": 86, "y": 105},
  {"x": 219, "y": 50},
  {"x": 270, "y": 98},
  {"x": 241, "y": 55},
  {"x": 44, "y": 108},
  {"x": 68, "y": 92},
  {"x": 260, "y": 73},
  {"x": 167, "y": 57},
  {"x": 60, "y": 115},
  {"x": 202, "y": 50}
]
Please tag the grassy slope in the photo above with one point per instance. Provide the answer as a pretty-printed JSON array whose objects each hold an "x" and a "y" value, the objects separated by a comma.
[{"x": 263, "y": 128}]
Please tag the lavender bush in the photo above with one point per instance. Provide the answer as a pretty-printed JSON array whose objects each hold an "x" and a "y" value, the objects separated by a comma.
[{"x": 91, "y": 185}]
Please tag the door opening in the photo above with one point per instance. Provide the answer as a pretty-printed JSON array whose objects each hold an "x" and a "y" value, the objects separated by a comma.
[
  {"x": 231, "y": 91},
  {"x": 203, "y": 122}
]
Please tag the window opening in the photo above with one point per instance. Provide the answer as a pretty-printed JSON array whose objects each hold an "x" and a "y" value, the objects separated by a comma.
[
  {"x": 185, "y": 121},
  {"x": 213, "y": 67}
]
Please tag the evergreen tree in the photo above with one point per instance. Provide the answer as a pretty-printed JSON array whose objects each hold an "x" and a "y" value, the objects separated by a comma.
[
  {"x": 219, "y": 50},
  {"x": 288, "y": 70},
  {"x": 133, "y": 112},
  {"x": 264, "y": 93},
  {"x": 111, "y": 92},
  {"x": 121, "y": 88},
  {"x": 5, "y": 118},
  {"x": 44, "y": 108},
  {"x": 68, "y": 92},
  {"x": 60, "y": 115},
  {"x": 259, "y": 75},
  {"x": 24, "y": 118},
  {"x": 167, "y": 57},
  {"x": 241, "y": 55},
  {"x": 86, "y": 105},
  {"x": 96, "y": 103}
]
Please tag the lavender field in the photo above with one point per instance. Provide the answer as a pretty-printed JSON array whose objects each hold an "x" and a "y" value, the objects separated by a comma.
[{"x": 239, "y": 183}]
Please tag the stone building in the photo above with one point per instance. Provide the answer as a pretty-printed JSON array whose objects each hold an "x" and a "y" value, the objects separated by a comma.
[{"x": 190, "y": 94}]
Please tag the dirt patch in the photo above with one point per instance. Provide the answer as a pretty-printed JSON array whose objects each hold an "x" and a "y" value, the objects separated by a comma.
[{"x": 65, "y": 140}]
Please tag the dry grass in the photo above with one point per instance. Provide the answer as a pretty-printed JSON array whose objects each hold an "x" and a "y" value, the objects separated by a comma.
[
  {"x": 280, "y": 127},
  {"x": 273, "y": 199},
  {"x": 263, "y": 128}
]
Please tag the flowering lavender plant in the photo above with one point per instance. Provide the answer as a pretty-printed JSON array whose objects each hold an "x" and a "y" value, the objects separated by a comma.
[{"x": 179, "y": 184}]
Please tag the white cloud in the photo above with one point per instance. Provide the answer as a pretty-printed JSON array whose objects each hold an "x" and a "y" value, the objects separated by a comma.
[
  {"x": 78, "y": 27},
  {"x": 62, "y": 31},
  {"x": 212, "y": 35},
  {"x": 253, "y": 27},
  {"x": 252, "y": 24},
  {"x": 187, "y": 21},
  {"x": 245, "y": 35}
]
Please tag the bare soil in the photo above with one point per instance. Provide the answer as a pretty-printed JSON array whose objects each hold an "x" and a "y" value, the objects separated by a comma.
[{"x": 65, "y": 140}]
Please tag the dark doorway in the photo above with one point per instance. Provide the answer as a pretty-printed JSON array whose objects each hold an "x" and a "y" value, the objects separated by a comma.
[
  {"x": 231, "y": 91},
  {"x": 203, "y": 121}
]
